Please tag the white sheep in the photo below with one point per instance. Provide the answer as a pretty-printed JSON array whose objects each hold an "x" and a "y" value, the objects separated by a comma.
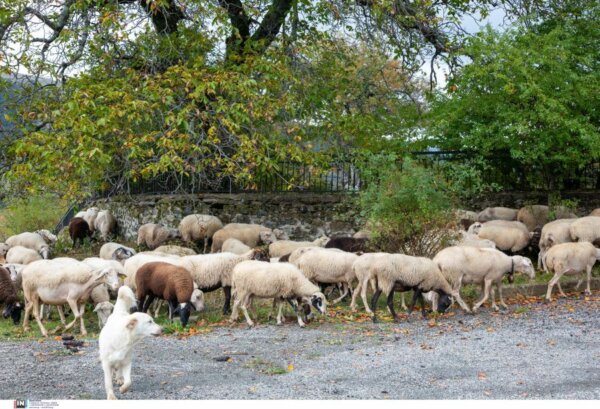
[
  {"x": 570, "y": 259},
  {"x": 105, "y": 223},
  {"x": 213, "y": 271},
  {"x": 497, "y": 213},
  {"x": 3, "y": 249},
  {"x": 197, "y": 227},
  {"x": 47, "y": 235},
  {"x": 234, "y": 246},
  {"x": 32, "y": 241},
  {"x": 175, "y": 250},
  {"x": 463, "y": 265},
  {"x": 472, "y": 240},
  {"x": 116, "y": 251},
  {"x": 58, "y": 282},
  {"x": 22, "y": 255},
  {"x": 329, "y": 267},
  {"x": 401, "y": 272},
  {"x": 89, "y": 216},
  {"x": 153, "y": 235},
  {"x": 279, "y": 281},
  {"x": 595, "y": 212},
  {"x": 533, "y": 216},
  {"x": 282, "y": 247},
  {"x": 250, "y": 234},
  {"x": 506, "y": 237},
  {"x": 555, "y": 232},
  {"x": 586, "y": 229},
  {"x": 362, "y": 271}
]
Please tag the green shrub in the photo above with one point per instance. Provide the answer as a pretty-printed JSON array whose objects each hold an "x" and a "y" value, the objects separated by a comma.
[
  {"x": 30, "y": 214},
  {"x": 407, "y": 205}
]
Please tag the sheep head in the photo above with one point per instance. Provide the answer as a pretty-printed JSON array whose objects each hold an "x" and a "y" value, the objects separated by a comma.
[
  {"x": 184, "y": 309},
  {"x": 103, "y": 309},
  {"x": 197, "y": 300},
  {"x": 319, "y": 301},
  {"x": 122, "y": 253},
  {"x": 14, "y": 311},
  {"x": 45, "y": 252},
  {"x": 524, "y": 265}
]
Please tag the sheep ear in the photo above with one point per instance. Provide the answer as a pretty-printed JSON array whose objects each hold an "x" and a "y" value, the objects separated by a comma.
[
  {"x": 97, "y": 308},
  {"x": 122, "y": 275},
  {"x": 132, "y": 323}
]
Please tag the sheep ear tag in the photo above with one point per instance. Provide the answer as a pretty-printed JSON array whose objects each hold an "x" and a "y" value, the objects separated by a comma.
[{"x": 132, "y": 323}]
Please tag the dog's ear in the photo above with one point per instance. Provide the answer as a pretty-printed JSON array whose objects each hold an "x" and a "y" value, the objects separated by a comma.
[{"x": 132, "y": 323}]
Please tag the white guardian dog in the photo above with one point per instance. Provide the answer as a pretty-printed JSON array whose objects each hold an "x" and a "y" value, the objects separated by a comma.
[{"x": 117, "y": 339}]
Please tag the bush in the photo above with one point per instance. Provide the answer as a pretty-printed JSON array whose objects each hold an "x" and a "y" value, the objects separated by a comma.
[
  {"x": 407, "y": 205},
  {"x": 30, "y": 214}
]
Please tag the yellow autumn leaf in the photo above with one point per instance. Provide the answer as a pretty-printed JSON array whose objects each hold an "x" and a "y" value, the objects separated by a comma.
[{"x": 290, "y": 367}]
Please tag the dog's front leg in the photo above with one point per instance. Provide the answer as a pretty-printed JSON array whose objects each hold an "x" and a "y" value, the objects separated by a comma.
[
  {"x": 126, "y": 372},
  {"x": 108, "y": 384}
]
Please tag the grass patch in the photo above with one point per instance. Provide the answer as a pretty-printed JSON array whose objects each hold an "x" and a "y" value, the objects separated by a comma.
[{"x": 266, "y": 367}]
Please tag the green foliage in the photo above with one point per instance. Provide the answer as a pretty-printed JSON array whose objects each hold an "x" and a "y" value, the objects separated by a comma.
[
  {"x": 30, "y": 214},
  {"x": 407, "y": 205},
  {"x": 533, "y": 92},
  {"x": 468, "y": 179}
]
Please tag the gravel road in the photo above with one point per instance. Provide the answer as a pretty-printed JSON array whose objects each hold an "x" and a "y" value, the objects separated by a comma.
[{"x": 546, "y": 352}]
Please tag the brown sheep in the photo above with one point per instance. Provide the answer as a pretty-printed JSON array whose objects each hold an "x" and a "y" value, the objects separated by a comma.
[
  {"x": 8, "y": 297},
  {"x": 79, "y": 230},
  {"x": 171, "y": 283},
  {"x": 349, "y": 244}
]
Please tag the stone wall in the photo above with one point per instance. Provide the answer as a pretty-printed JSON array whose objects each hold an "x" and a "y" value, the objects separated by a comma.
[{"x": 302, "y": 216}]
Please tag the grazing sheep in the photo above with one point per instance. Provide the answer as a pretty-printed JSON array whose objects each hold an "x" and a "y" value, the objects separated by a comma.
[
  {"x": 403, "y": 273},
  {"x": 570, "y": 259},
  {"x": 533, "y": 216},
  {"x": 235, "y": 246},
  {"x": 555, "y": 232},
  {"x": 8, "y": 297},
  {"x": 58, "y": 282},
  {"x": 105, "y": 223},
  {"x": 507, "y": 238},
  {"x": 48, "y": 236},
  {"x": 168, "y": 282},
  {"x": 22, "y": 255},
  {"x": 117, "y": 339},
  {"x": 363, "y": 234},
  {"x": 472, "y": 240},
  {"x": 280, "y": 281},
  {"x": 153, "y": 235},
  {"x": 89, "y": 216},
  {"x": 462, "y": 265},
  {"x": 103, "y": 307},
  {"x": 282, "y": 247},
  {"x": 328, "y": 266},
  {"x": 196, "y": 227},
  {"x": 32, "y": 241},
  {"x": 497, "y": 213},
  {"x": 595, "y": 212},
  {"x": 3, "y": 249},
  {"x": 250, "y": 234},
  {"x": 362, "y": 270},
  {"x": 114, "y": 267},
  {"x": 116, "y": 251},
  {"x": 585, "y": 229},
  {"x": 465, "y": 217},
  {"x": 175, "y": 250},
  {"x": 213, "y": 271},
  {"x": 349, "y": 244},
  {"x": 79, "y": 230}
]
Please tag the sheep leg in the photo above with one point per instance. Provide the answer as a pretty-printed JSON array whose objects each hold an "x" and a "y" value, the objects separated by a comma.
[
  {"x": 403, "y": 302},
  {"x": 61, "y": 314},
  {"x": 244, "y": 307},
  {"x": 280, "y": 318},
  {"x": 28, "y": 308},
  {"x": 344, "y": 293},
  {"x": 227, "y": 291},
  {"x": 108, "y": 383},
  {"x": 146, "y": 304},
  {"x": 235, "y": 309},
  {"x": 486, "y": 294},
  {"x": 126, "y": 372},
  {"x": 560, "y": 290},
  {"x": 81, "y": 323},
  {"x": 75, "y": 308},
  {"x": 354, "y": 295},
  {"x": 588, "y": 289},
  {"x": 294, "y": 305},
  {"x": 157, "y": 308},
  {"x": 36, "y": 315},
  {"x": 413, "y": 301},
  {"x": 390, "y": 304},
  {"x": 551, "y": 284},
  {"x": 374, "y": 300},
  {"x": 456, "y": 294},
  {"x": 363, "y": 294}
]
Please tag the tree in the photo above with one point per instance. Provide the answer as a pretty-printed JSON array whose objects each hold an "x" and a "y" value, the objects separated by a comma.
[{"x": 532, "y": 91}]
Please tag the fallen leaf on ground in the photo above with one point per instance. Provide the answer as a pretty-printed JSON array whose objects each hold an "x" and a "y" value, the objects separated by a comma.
[{"x": 482, "y": 376}]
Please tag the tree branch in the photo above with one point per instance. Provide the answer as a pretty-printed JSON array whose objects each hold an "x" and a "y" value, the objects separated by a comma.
[{"x": 164, "y": 19}]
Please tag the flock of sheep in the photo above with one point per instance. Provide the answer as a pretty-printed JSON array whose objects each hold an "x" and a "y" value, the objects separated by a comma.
[{"x": 292, "y": 272}]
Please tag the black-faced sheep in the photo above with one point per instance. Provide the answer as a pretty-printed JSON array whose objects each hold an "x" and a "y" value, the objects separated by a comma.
[
  {"x": 79, "y": 230},
  {"x": 168, "y": 282},
  {"x": 8, "y": 297},
  {"x": 116, "y": 251},
  {"x": 280, "y": 281},
  {"x": 349, "y": 244},
  {"x": 199, "y": 227},
  {"x": 153, "y": 235}
]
